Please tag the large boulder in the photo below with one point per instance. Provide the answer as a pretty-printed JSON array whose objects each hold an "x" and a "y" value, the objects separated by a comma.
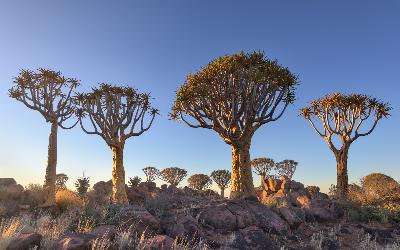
[
  {"x": 243, "y": 217},
  {"x": 217, "y": 218},
  {"x": 320, "y": 210},
  {"x": 267, "y": 219},
  {"x": 148, "y": 186},
  {"x": 25, "y": 241},
  {"x": 251, "y": 238},
  {"x": 74, "y": 241},
  {"x": 293, "y": 215},
  {"x": 180, "y": 225},
  {"x": 233, "y": 215},
  {"x": 143, "y": 191},
  {"x": 134, "y": 217},
  {"x": 159, "y": 242},
  {"x": 7, "y": 181},
  {"x": 104, "y": 231},
  {"x": 300, "y": 198}
]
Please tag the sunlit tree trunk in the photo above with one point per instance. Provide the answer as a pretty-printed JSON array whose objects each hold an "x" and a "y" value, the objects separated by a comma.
[
  {"x": 118, "y": 176},
  {"x": 342, "y": 175},
  {"x": 51, "y": 168},
  {"x": 241, "y": 181}
]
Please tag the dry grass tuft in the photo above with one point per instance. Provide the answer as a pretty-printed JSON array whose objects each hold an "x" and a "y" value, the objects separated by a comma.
[{"x": 66, "y": 200}]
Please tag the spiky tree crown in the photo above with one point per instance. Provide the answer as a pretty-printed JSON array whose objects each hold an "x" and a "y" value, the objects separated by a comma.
[
  {"x": 135, "y": 181},
  {"x": 115, "y": 113},
  {"x": 151, "y": 173},
  {"x": 199, "y": 181},
  {"x": 343, "y": 116},
  {"x": 48, "y": 92},
  {"x": 235, "y": 94},
  {"x": 173, "y": 175},
  {"x": 221, "y": 177},
  {"x": 286, "y": 168},
  {"x": 263, "y": 166}
]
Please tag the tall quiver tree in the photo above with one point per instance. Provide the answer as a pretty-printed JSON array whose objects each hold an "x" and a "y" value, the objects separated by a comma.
[
  {"x": 343, "y": 117},
  {"x": 222, "y": 178},
  {"x": 116, "y": 114},
  {"x": 49, "y": 93},
  {"x": 151, "y": 173},
  {"x": 262, "y": 167},
  {"x": 234, "y": 95}
]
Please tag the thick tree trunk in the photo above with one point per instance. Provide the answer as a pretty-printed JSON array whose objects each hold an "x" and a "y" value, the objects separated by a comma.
[
  {"x": 241, "y": 181},
  {"x": 342, "y": 176},
  {"x": 223, "y": 192},
  {"x": 118, "y": 194},
  {"x": 51, "y": 168}
]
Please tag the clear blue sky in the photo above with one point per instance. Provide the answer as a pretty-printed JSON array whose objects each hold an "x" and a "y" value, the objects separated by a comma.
[{"x": 349, "y": 46}]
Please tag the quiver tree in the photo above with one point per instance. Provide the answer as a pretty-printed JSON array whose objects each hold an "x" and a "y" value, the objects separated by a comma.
[
  {"x": 116, "y": 114},
  {"x": 151, "y": 173},
  {"x": 82, "y": 185},
  {"x": 173, "y": 175},
  {"x": 134, "y": 182},
  {"x": 234, "y": 95},
  {"x": 49, "y": 93},
  {"x": 343, "y": 117},
  {"x": 262, "y": 167},
  {"x": 222, "y": 178},
  {"x": 61, "y": 179},
  {"x": 199, "y": 181},
  {"x": 286, "y": 168}
]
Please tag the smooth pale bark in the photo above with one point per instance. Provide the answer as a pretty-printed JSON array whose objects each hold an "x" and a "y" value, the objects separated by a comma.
[
  {"x": 51, "y": 168},
  {"x": 241, "y": 181},
  {"x": 342, "y": 184},
  {"x": 118, "y": 194}
]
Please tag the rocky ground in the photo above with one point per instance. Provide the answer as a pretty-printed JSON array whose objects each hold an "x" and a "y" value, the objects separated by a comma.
[{"x": 295, "y": 217}]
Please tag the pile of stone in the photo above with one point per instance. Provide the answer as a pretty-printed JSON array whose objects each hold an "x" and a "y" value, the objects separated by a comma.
[
  {"x": 10, "y": 186},
  {"x": 308, "y": 202}
]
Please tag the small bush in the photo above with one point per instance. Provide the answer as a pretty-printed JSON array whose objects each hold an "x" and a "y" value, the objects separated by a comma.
[
  {"x": 66, "y": 200},
  {"x": 134, "y": 182},
  {"x": 82, "y": 185}
]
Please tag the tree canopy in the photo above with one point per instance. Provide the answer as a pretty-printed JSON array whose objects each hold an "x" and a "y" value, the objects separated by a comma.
[
  {"x": 48, "y": 92},
  {"x": 344, "y": 115},
  {"x": 173, "y": 175},
  {"x": 151, "y": 173},
  {"x": 263, "y": 166},
  {"x": 235, "y": 94},
  {"x": 286, "y": 168},
  {"x": 115, "y": 113},
  {"x": 199, "y": 181}
]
